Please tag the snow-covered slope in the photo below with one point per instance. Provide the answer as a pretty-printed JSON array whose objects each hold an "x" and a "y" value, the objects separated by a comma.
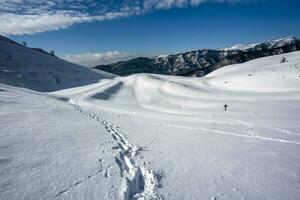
[
  {"x": 261, "y": 75},
  {"x": 195, "y": 148},
  {"x": 30, "y": 68},
  {"x": 267, "y": 76},
  {"x": 157, "y": 137},
  {"x": 47, "y": 149}
]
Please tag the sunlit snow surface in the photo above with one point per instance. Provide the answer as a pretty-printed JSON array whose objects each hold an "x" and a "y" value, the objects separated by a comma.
[{"x": 157, "y": 137}]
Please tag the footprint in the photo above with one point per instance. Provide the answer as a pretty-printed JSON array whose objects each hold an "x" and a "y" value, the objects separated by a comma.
[
  {"x": 220, "y": 194},
  {"x": 77, "y": 183},
  {"x": 220, "y": 176}
]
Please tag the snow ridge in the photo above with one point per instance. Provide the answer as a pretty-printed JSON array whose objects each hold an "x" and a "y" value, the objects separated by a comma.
[{"x": 139, "y": 183}]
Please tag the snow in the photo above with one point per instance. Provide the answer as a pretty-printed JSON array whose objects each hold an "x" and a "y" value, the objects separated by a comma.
[
  {"x": 162, "y": 56},
  {"x": 280, "y": 42},
  {"x": 269, "y": 44},
  {"x": 151, "y": 136},
  {"x": 29, "y": 68},
  {"x": 48, "y": 150},
  {"x": 240, "y": 47},
  {"x": 261, "y": 75}
]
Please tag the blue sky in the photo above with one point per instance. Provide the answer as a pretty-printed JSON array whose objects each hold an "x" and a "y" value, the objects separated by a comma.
[{"x": 95, "y": 32}]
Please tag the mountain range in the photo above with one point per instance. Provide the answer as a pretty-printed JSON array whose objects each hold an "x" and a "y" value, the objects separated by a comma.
[{"x": 203, "y": 61}]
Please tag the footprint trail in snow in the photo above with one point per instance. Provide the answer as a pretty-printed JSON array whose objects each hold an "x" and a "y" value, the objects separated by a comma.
[{"x": 138, "y": 183}]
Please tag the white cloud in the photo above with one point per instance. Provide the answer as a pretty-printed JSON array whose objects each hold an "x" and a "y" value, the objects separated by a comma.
[
  {"x": 12, "y": 24},
  {"x": 19, "y": 17},
  {"x": 94, "y": 59}
]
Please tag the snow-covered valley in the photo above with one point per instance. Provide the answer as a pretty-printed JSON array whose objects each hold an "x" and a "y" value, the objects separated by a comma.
[{"x": 151, "y": 136}]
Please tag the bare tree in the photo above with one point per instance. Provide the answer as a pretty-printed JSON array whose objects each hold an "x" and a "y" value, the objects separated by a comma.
[
  {"x": 24, "y": 44},
  {"x": 52, "y": 52}
]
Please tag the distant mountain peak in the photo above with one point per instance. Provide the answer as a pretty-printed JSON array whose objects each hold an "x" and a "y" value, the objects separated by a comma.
[{"x": 268, "y": 43}]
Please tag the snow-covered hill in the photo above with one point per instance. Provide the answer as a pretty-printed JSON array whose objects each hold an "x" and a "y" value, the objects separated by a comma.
[
  {"x": 148, "y": 136},
  {"x": 203, "y": 61},
  {"x": 196, "y": 149},
  {"x": 261, "y": 79},
  {"x": 34, "y": 69}
]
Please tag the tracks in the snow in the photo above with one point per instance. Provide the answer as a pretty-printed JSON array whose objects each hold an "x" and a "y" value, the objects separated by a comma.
[
  {"x": 250, "y": 133},
  {"x": 137, "y": 181}
]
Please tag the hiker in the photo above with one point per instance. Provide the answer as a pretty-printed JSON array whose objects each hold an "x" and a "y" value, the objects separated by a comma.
[{"x": 225, "y": 107}]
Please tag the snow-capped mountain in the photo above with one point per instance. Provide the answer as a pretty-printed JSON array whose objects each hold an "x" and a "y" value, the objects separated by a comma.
[
  {"x": 202, "y": 62},
  {"x": 38, "y": 70}
]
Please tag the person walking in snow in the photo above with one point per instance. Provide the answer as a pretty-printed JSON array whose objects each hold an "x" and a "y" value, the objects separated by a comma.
[{"x": 225, "y": 107}]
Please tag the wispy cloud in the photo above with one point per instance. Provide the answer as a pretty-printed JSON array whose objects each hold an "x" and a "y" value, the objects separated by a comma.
[
  {"x": 94, "y": 59},
  {"x": 19, "y": 17},
  {"x": 29, "y": 24}
]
